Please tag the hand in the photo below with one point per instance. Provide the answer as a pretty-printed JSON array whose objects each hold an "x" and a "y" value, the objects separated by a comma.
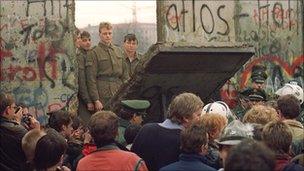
[
  {"x": 17, "y": 116},
  {"x": 90, "y": 106},
  {"x": 87, "y": 137},
  {"x": 98, "y": 105},
  {"x": 34, "y": 123}
]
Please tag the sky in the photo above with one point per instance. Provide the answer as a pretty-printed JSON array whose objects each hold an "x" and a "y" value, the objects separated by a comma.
[{"x": 94, "y": 12}]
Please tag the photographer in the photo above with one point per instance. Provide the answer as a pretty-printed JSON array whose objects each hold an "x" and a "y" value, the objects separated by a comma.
[
  {"x": 28, "y": 120},
  {"x": 11, "y": 133}
]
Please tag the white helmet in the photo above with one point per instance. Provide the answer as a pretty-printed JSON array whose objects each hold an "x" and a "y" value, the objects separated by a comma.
[
  {"x": 219, "y": 107},
  {"x": 292, "y": 89}
]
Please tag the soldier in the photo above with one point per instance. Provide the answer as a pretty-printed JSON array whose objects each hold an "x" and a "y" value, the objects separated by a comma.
[
  {"x": 258, "y": 77},
  {"x": 132, "y": 56},
  {"x": 85, "y": 105},
  {"x": 104, "y": 68},
  {"x": 132, "y": 112}
]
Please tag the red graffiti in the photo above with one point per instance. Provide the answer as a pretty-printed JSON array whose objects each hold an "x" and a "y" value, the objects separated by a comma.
[
  {"x": 289, "y": 69},
  {"x": 229, "y": 94},
  {"x": 28, "y": 73}
]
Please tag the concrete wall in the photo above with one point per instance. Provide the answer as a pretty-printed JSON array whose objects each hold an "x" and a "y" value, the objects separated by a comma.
[
  {"x": 274, "y": 28},
  {"x": 38, "y": 54}
]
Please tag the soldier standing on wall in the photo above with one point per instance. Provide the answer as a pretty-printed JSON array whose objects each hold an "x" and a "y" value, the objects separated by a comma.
[
  {"x": 105, "y": 68},
  {"x": 132, "y": 56},
  {"x": 85, "y": 105}
]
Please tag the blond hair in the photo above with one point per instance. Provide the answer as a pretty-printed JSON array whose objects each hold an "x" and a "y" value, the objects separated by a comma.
[
  {"x": 105, "y": 25},
  {"x": 260, "y": 114},
  {"x": 29, "y": 142}
]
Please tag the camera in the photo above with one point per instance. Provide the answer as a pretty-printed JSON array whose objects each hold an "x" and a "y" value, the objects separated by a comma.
[{"x": 26, "y": 119}]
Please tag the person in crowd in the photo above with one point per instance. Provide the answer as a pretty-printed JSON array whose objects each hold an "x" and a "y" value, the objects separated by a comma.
[
  {"x": 257, "y": 131},
  {"x": 130, "y": 134},
  {"x": 260, "y": 114},
  {"x": 49, "y": 152},
  {"x": 131, "y": 55},
  {"x": 159, "y": 143},
  {"x": 105, "y": 68},
  {"x": 258, "y": 77},
  {"x": 234, "y": 133},
  {"x": 214, "y": 124},
  {"x": 131, "y": 112},
  {"x": 250, "y": 155},
  {"x": 85, "y": 104},
  {"x": 294, "y": 89},
  {"x": 277, "y": 136},
  {"x": 29, "y": 142},
  {"x": 194, "y": 146},
  {"x": 103, "y": 127},
  {"x": 289, "y": 111},
  {"x": 11, "y": 133},
  {"x": 249, "y": 98},
  {"x": 62, "y": 122}
]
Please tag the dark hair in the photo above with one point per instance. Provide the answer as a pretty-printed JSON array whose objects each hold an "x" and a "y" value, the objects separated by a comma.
[
  {"x": 49, "y": 150},
  {"x": 85, "y": 34},
  {"x": 130, "y": 37},
  {"x": 131, "y": 132},
  {"x": 289, "y": 106},
  {"x": 250, "y": 155},
  {"x": 257, "y": 131},
  {"x": 5, "y": 101},
  {"x": 58, "y": 119},
  {"x": 193, "y": 137},
  {"x": 277, "y": 136},
  {"x": 77, "y": 122},
  {"x": 103, "y": 127}
]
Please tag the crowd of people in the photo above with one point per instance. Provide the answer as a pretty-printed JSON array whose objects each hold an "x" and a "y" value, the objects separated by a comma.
[{"x": 260, "y": 134}]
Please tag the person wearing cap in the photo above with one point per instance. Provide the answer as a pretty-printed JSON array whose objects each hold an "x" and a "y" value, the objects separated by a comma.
[
  {"x": 85, "y": 104},
  {"x": 234, "y": 133},
  {"x": 258, "y": 77},
  {"x": 248, "y": 98},
  {"x": 131, "y": 112},
  {"x": 131, "y": 55}
]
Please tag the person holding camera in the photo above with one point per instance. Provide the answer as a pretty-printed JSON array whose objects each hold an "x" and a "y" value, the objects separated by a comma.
[{"x": 11, "y": 132}]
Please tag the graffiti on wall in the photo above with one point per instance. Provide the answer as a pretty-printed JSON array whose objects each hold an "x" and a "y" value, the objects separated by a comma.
[
  {"x": 37, "y": 58},
  {"x": 274, "y": 28},
  {"x": 198, "y": 22}
]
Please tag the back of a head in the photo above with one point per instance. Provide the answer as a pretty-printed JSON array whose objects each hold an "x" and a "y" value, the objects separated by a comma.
[
  {"x": 293, "y": 89},
  {"x": 193, "y": 137},
  {"x": 49, "y": 150},
  {"x": 103, "y": 127},
  {"x": 289, "y": 106},
  {"x": 214, "y": 122},
  {"x": 29, "y": 142},
  {"x": 5, "y": 101},
  {"x": 260, "y": 114},
  {"x": 250, "y": 155},
  {"x": 277, "y": 136},
  {"x": 59, "y": 118},
  {"x": 183, "y": 106}
]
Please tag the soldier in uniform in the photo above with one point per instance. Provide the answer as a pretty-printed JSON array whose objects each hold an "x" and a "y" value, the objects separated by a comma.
[
  {"x": 131, "y": 112},
  {"x": 105, "y": 69},
  {"x": 131, "y": 55},
  {"x": 85, "y": 105}
]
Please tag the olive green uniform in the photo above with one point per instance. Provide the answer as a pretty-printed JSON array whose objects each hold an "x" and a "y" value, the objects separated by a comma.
[
  {"x": 105, "y": 71},
  {"x": 83, "y": 95},
  {"x": 132, "y": 65}
]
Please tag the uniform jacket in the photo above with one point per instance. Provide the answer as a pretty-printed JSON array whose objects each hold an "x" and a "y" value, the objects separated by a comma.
[
  {"x": 105, "y": 72},
  {"x": 132, "y": 65}
]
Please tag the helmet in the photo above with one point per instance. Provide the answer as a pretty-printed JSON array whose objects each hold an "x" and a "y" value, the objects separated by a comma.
[
  {"x": 293, "y": 89},
  {"x": 219, "y": 107}
]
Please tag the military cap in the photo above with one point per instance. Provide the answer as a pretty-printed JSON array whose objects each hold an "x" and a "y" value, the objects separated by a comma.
[
  {"x": 137, "y": 106},
  {"x": 258, "y": 74},
  {"x": 254, "y": 94}
]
